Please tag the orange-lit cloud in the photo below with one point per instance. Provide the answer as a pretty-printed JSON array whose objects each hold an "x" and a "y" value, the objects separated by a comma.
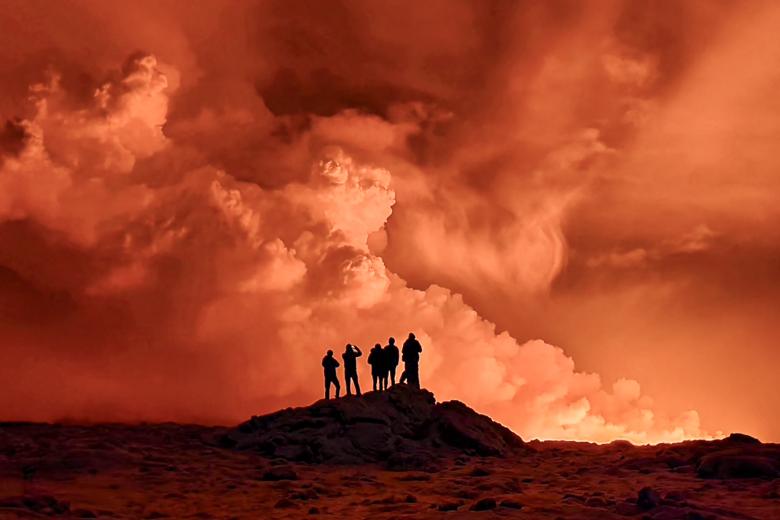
[{"x": 186, "y": 229}]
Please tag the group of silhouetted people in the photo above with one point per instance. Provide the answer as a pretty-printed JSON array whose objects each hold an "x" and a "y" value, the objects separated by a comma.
[{"x": 383, "y": 361}]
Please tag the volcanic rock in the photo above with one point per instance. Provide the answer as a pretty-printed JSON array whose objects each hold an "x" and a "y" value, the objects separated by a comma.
[
  {"x": 738, "y": 456},
  {"x": 511, "y": 504},
  {"x": 648, "y": 498},
  {"x": 729, "y": 464},
  {"x": 742, "y": 438},
  {"x": 403, "y": 427},
  {"x": 449, "y": 506},
  {"x": 479, "y": 472},
  {"x": 484, "y": 504},
  {"x": 280, "y": 473},
  {"x": 545, "y": 478}
]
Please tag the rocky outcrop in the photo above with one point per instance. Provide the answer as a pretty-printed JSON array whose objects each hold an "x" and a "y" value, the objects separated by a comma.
[
  {"x": 404, "y": 428},
  {"x": 739, "y": 456},
  {"x": 735, "y": 463}
]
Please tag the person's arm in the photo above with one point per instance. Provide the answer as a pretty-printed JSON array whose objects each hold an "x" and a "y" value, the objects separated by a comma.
[
  {"x": 336, "y": 363},
  {"x": 357, "y": 349}
]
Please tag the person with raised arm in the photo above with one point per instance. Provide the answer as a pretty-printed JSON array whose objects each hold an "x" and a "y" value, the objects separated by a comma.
[{"x": 350, "y": 355}]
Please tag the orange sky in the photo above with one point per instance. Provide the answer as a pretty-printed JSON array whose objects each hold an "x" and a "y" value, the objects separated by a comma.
[{"x": 574, "y": 206}]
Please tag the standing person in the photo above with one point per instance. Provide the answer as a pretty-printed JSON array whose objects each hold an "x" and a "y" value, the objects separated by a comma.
[
  {"x": 411, "y": 357},
  {"x": 351, "y": 353},
  {"x": 330, "y": 364},
  {"x": 376, "y": 359},
  {"x": 391, "y": 358}
]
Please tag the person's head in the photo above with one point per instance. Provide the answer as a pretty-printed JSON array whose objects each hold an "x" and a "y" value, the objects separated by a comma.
[
  {"x": 330, "y": 353},
  {"x": 348, "y": 348},
  {"x": 391, "y": 341},
  {"x": 411, "y": 335},
  {"x": 377, "y": 346}
]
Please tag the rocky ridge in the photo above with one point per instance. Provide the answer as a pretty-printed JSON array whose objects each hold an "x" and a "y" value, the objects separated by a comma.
[{"x": 403, "y": 428}]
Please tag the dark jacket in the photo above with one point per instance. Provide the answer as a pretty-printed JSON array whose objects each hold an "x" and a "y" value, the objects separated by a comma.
[
  {"x": 330, "y": 364},
  {"x": 411, "y": 350},
  {"x": 391, "y": 355},
  {"x": 377, "y": 361},
  {"x": 349, "y": 357}
]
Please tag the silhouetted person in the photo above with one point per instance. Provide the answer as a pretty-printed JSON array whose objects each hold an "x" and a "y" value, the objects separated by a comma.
[
  {"x": 391, "y": 360},
  {"x": 410, "y": 353},
  {"x": 330, "y": 364},
  {"x": 351, "y": 353},
  {"x": 376, "y": 359}
]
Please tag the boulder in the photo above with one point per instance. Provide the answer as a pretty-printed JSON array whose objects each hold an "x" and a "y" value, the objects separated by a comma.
[
  {"x": 511, "y": 504},
  {"x": 449, "y": 506},
  {"x": 741, "y": 438},
  {"x": 648, "y": 498},
  {"x": 730, "y": 464},
  {"x": 484, "y": 504}
]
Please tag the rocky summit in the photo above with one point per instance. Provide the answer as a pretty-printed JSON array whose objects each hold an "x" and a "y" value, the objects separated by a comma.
[{"x": 404, "y": 428}]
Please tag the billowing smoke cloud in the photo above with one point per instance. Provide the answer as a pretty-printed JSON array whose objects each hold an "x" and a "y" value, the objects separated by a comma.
[
  {"x": 213, "y": 298},
  {"x": 185, "y": 229}
]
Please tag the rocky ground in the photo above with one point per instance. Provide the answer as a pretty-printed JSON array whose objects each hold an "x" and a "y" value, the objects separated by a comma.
[{"x": 393, "y": 455}]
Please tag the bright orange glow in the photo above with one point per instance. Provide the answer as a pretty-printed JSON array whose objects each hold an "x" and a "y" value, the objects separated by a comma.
[{"x": 186, "y": 228}]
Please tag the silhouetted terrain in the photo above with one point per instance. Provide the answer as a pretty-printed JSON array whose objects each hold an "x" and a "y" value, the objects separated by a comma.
[
  {"x": 385, "y": 455},
  {"x": 402, "y": 427}
]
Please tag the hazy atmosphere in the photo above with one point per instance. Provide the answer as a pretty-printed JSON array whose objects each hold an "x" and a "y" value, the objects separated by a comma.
[{"x": 574, "y": 205}]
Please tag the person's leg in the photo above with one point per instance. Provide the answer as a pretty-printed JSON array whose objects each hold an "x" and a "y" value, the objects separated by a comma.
[
  {"x": 327, "y": 389},
  {"x": 338, "y": 387},
  {"x": 357, "y": 385},
  {"x": 374, "y": 377},
  {"x": 404, "y": 377},
  {"x": 392, "y": 375},
  {"x": 348, "y": 378},
  {"x": 414, "y": 375}
]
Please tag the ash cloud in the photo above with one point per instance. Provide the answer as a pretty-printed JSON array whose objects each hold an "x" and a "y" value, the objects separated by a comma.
[
  {"x": 255, "y": 281},
  {"x": 183, "y": 235}
]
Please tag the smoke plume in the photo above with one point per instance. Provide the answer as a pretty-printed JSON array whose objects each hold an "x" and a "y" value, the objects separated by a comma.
[{"x": 184, "y": 230}]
